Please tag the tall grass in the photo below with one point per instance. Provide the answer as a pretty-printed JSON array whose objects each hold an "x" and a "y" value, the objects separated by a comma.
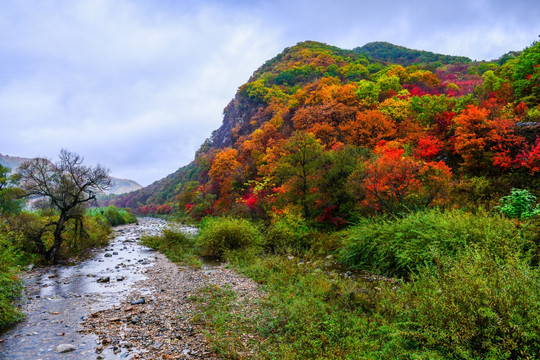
[
  {"x": 401, "y": 246},
  {"x": 112, "y": 215},
  {"x": 477, "y": 306}
]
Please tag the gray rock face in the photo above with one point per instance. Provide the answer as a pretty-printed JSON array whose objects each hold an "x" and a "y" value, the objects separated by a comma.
[{"x": 64, "y": 348}]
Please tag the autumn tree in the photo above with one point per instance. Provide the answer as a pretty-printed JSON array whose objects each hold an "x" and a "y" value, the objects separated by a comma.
[
  {"x": 324, "y": 121},
  {"x": 394, "y": 182},
  {"x": 67, "y": 185},
  {"x": 472, "y": 129},
  {"x": 225, "y": 168},
  {"x": 368, "y": 128}
]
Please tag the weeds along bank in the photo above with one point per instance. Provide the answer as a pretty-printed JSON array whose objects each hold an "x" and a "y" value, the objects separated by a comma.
[
  {"x": 22, "y": 231},
  {"x": 431, "y": 285}
]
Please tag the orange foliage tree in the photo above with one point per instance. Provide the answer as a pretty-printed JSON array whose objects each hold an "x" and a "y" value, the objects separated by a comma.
[
  {"x": 472, "y": 132},
  {"x": 323, "y": 121},
  {"x": 368, "y": 128},
  {"x": 223, "y": 171}
]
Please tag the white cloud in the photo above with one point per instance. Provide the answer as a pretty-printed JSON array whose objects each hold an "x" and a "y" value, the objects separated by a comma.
[
  {"x": 139, "y": 85},
  {"x": 117, "y": 84}
]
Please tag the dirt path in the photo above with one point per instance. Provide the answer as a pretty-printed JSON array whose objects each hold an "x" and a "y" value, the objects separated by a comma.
[{"x": 126, "y": 302}]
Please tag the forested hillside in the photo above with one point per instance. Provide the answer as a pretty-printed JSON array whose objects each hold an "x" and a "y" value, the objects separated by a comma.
[{"x": 333, "y": 134}]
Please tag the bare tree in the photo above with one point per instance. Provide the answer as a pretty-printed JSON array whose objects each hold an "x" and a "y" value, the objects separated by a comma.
[{"x": 68, "y": 185}]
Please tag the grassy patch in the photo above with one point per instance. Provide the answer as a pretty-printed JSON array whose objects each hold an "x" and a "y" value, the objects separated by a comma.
[
  {"x": 477, "y": 306},
  {"x": 230, "y": 323},
  {"x": 177, "y": 246}
]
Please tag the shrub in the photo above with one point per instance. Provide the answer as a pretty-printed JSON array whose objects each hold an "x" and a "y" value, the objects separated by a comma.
[
  {"x": 218, "y": 235},
  {"x": 519, "y": 204},
  {"x": 287, "y": 234},
  {"x": 399, "y": 247},
  {"x": 10, "y": 287},
  {"x": 112, "y": 215},
  {"x": 477, "y": 306},
  {"x": 80, "y": 235}
]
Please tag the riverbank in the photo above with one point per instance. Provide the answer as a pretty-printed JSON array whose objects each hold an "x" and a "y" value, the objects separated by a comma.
[
  {"x": 86, "y": 309},
  {"x": 159, "y": 318}
]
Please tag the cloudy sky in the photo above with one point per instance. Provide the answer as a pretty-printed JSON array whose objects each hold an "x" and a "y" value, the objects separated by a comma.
[{"x": 137, "y": 85}]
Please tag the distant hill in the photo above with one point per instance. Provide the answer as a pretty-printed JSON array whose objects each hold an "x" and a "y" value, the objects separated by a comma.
[
  {"x": 383, "y": 51},
  {"x": 119, "y": 186}
]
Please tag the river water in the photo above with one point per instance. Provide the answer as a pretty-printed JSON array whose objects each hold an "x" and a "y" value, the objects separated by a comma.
[{"x": 57, "y": 299}]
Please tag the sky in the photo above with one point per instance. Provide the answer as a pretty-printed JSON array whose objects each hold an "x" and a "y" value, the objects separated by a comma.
[{"x": 138, "y": 85}]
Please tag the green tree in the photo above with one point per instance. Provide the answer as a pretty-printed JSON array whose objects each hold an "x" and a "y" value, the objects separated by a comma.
[
  {"x": 10, "y": 194},
  {"x": 527, "y": 75},
  {"x": 337, "y": 165},
  {"x": 299, "y": 169}
]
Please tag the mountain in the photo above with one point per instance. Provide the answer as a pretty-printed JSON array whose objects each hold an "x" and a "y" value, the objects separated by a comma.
[
  {"x": 313, "y": 127},
  {"x": 119, "y": 186}
]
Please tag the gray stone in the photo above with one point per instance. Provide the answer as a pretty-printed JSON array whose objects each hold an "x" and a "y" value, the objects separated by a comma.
[{"x": 64, "y": 348}]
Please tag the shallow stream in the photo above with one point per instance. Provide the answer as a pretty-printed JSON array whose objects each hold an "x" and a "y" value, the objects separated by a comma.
[{"x": 59, "y": 298}]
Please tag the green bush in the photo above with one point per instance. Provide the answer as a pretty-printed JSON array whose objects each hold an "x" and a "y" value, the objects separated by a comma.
[
  {"x": 477, "y": 306},
  {"x": 519, "y": 204},
  {"x": 178, "y": 246},
  {"x": 10, "y": 286},
  {"x": 112, "y": 215},
  {"x": 399, "y": 247},
  {"x": 286, "y": 235},
  {"x": 83, "y": 234},
  {"x": 218, "y": 235}
]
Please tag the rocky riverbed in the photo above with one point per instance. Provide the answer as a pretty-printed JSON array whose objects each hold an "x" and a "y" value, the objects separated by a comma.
[{"x": 125, "y": 302}]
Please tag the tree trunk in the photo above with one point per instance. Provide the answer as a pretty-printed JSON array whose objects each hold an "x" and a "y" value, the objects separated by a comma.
[{"x": 53, "y": 251}]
